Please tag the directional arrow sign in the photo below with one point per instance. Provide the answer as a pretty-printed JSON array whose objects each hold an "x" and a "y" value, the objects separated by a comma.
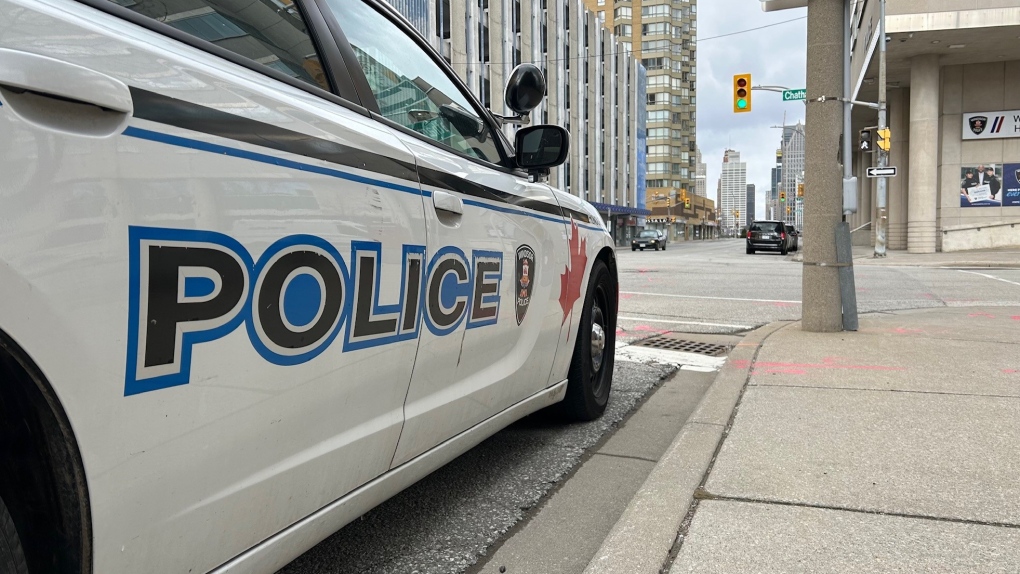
[
  {"x": 794, "y": 95},
  {"x": 881, "y": 172}
]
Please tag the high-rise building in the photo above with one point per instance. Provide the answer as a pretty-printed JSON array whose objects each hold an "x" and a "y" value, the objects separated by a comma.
[
  {"x": 701, "y": 175},
  {"x": 596, "y": 87},
  {"x": 792, "y": 171},
  {"x": 772, "y": 202},
  {"x": 663, "y": 35},
  {"x": 732, "y": 191},
  {"x": 750, "y": 205}
]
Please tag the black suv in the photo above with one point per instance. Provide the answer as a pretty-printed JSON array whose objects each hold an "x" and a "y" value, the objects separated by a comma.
[
  {"x": 770, "y": 235},
  {"x": 654, "y": 238}
]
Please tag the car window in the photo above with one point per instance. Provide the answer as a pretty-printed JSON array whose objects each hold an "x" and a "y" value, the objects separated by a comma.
[
  {"x": 268, "y": 32},
  {"x": 767, "y": 226},
  {"x": 411, "y": 88},
  {"x": 649, "y": 234}
]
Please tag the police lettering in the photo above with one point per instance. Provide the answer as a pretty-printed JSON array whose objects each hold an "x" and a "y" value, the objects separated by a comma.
[{"x": 191, "y": 287}]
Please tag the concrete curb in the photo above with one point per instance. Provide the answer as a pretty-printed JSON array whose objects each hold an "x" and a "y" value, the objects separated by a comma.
[
  {"x": 869, "y": 262},
  {"x": 642, "y": 538}
]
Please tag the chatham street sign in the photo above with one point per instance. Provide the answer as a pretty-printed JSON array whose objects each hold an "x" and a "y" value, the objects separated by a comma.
[
  {"x": 794, "y": 95},
  {"x": 882, "y": 171}
]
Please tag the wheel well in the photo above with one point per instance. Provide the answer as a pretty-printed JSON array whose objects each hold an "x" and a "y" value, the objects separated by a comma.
[
  {"x": 43, "y": 479},
  {"x": 608, "y": 257}
]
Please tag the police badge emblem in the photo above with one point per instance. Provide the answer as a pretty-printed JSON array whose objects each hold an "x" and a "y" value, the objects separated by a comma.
[
  {"x": 525, "y": 280},
  {"x": 977, "y": 124}
]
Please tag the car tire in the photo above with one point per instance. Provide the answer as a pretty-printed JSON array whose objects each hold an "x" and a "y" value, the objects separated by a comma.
[
  {"x": 783, "y": 250},
  {"x": 591, "y": 368},
  {"x": 750, "y": 251},
  {"x": 633, "y": 248},
  {"x": 12, "y": 557},
  {"x": 663, "y": 246}
]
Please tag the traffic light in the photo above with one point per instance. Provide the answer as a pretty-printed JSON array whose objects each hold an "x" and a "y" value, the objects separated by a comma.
[
  {"x": 669, "y": 202},
  {"x": 782, "y": 196},
  {"x": 884, "y": 139},
  {"x": 787, "y": 210},
  {"x": 736, "y": 214},
  {"x": 741, "y": 93},
  {"x": 865, "y": 140},
  {"x": 687, "y": 203},
  {"x": 800, "y": 190}
]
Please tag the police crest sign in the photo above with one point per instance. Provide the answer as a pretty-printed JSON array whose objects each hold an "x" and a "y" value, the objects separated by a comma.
[{"x": 525, "y": 280}]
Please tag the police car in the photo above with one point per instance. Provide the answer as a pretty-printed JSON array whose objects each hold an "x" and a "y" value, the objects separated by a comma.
[{"x": 263, "y": 264}]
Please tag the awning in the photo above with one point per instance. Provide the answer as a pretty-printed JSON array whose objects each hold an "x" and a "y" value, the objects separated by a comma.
[{"x": 619, "y": 209}]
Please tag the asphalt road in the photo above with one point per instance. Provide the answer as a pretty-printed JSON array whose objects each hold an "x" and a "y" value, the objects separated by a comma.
[
  {"x": 715, "y": 287},
  {"x": 457, "y": 518}
]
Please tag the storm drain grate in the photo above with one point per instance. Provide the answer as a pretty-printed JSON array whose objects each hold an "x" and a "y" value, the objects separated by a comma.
[{"x": 668, "y": 343}]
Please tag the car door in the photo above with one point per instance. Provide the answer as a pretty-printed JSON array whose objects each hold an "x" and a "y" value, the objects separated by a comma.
[
  {"x": 496, "y": 243},
  {"x": 187, "y": 192}
]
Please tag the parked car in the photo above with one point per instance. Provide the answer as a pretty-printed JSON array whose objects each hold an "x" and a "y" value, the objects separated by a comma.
[
  {"x": 796, "y": 237},
  {"x": 770, "y": 236},
  {"x": 654, "y": 238},
  {"x": 243, "y": 243}
]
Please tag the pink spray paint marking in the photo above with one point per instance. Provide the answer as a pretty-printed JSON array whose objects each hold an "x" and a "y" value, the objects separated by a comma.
[
  {"x": 828, "y": 363},
  {"x": 906, "y": 331},
  {"x": 981, "y": 315},
  {"x": 1011, "y": 371},
  {"x": 1015, "y": 317}
]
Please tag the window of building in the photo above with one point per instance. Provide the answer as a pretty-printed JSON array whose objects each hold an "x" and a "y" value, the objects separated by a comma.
[
  {"x": 411, "y": 89},
  {"x": 204, "y": 19},
  {"x": 655, "y": 45},
  {"x": 623, "y": 12},
  {"x": 655, "y": 63},
  {"x": 654, "y": 11},
  {"x": 658, "y": 116},
  {"x": 602, "y": 15},
  {"x": 657, "y": 28},
  {"x": 622, "y": 30}
]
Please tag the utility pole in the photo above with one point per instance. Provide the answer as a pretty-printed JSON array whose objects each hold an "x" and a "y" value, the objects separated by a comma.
[
  {"x": 882, "y": 228},
  {"x": 822, "y": 307}
]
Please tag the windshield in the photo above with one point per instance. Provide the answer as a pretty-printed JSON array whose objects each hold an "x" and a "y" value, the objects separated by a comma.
[
  {"x": 652, "y": 234},
  {"x": 767, "y": 226}
]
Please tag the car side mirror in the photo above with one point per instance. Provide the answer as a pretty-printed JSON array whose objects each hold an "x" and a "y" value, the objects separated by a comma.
[{"x": 542, "y": 147}]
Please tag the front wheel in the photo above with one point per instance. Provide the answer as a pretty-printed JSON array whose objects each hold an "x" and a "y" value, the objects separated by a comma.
[
  {"x": 591, "y": 368},
  {"x": 12, "y": 558}
]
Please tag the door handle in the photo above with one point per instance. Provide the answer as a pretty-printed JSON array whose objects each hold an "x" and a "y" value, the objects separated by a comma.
[
  {"x": 448, "y": 202},
  {"x": 62, "y": 96}
]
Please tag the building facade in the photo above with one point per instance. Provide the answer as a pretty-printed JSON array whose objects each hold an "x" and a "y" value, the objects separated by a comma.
[
  {"x": 749, "y": 213},
  {"x": 596, "y": 88},
  {"x": 701, "y": 175},
  {"x": 953, "y": 80},
  {"x": 789, "y": 206},
  {"x": 663, "y": 36},
  {"x": 772, "y": 202},
  {"x": 732, "y": 192}
]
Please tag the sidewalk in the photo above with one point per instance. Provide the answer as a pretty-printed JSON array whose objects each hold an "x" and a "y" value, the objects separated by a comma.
[
  {"x": 893, "y": 449},
  {"x": 1005, "y": 257}
]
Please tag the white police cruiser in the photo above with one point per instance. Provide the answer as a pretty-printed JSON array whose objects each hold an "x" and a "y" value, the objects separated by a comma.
[{"x": 263, "y": 264}]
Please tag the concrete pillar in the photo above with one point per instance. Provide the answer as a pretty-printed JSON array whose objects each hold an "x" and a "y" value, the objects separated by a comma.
[
  {"x": 922, "y": 194},
  {"x": 823, "y": 202},
  {"x": 899, "y": 123}
]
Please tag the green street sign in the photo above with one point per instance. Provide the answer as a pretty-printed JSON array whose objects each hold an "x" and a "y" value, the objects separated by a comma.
[{"x": 794, "y": 95}]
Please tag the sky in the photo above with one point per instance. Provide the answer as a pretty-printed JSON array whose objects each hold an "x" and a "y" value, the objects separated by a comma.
[{"x": 773, "y": 56}]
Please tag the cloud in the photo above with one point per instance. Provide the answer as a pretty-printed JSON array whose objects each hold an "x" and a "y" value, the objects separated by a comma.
[{"x": 773, "y": 56}]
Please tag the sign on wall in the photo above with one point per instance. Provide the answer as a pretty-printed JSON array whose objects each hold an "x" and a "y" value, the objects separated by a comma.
[
  {"x": 991, "y": 125},
  {"x": 990, "y": 185}
]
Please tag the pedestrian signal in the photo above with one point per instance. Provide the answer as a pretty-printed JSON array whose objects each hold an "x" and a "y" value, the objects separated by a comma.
[{"x": 865, "y": 141}]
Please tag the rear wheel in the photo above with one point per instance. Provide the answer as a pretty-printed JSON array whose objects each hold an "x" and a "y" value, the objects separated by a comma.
[
  {"x": 12, "y": 558},
  {"x": 591, "y": 369},
  {"x": 750, "y": 251},
  {"x": 783, "y": 250}
]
